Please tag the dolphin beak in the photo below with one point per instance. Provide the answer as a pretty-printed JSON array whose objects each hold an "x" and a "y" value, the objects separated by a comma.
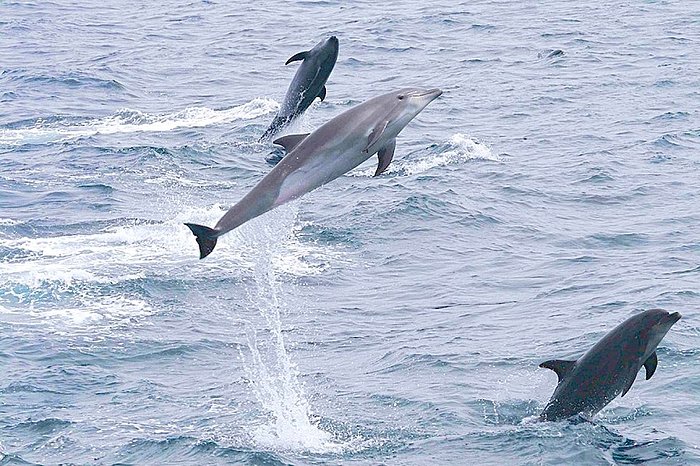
[
  {"x": 434, "y": 93},
  {"x": 674, "y": 317},
  {"x": 331, "y": 47},
  {"x": 429, "y": 95}
]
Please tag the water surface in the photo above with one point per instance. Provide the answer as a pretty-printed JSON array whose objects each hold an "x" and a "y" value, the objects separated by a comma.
[{"x": 550, "y": 193}]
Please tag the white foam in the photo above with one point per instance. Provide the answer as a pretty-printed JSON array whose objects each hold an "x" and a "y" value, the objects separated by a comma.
[
  {"x": 128, "y": 252},
  {"x": 170, "y": 179},
  {"x": 459, "y": 149},
  {"x": 130, "y": 121},
  {"x": 70, "y": 277},
  {"x": 9, "y": 222},
  {"x": 78, "y": 316},
  {"x": 103, "y": 310}
]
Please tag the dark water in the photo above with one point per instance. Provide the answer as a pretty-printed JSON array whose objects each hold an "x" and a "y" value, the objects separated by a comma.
[{"x": 551, "y": 192}]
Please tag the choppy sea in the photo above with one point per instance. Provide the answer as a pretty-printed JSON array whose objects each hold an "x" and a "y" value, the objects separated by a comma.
[{"x": 550, "y": 193}]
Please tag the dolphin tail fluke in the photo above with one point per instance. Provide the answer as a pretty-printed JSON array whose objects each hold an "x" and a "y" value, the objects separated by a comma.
[{"x": 206, "y": 238}]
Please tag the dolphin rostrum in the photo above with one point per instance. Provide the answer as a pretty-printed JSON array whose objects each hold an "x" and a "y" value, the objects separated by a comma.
[
  {"x": 333, "y": 149},
  {"x": 608, "y": 369},
  {"x": 309, "y": 82}
]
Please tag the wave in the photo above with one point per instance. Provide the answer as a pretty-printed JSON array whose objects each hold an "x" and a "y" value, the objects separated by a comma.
[
  {"x": 46, "y": 131},
  {"x": 81, "y": 278},
  {"x": 9, "y": 222},
  {"x": 459, "y": 149},
  {"x": 72, "y": 79}
]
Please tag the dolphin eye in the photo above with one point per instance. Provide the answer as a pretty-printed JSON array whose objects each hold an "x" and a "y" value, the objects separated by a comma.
[{"x": 401, "y": 96}]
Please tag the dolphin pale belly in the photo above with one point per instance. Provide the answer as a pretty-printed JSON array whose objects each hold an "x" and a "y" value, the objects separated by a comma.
[
  {"x": 332, "y": 150},
  {"x": 609, "y": 368},
  {"x": 309, "y": 82}
]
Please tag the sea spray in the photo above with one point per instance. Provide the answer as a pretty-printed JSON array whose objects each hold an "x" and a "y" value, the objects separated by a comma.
[{"x": 273, "y": 376}]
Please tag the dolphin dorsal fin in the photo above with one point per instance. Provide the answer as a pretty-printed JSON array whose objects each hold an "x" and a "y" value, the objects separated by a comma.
[
  {"x": 375, "y": 134},
  {"x": 385, "y": 155},
  {"x": 650, "y": 365},
  {"x": 297, "y": 57},
  {"x": 290, "y": 141},
  {"x": 560, "y": 366},
  {"x": 322, "y": 94}
]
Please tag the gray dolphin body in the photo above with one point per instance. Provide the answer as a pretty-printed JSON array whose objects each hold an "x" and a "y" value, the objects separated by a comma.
[
  {"x": 322, "y": 156},
  {"x": 609, "y": 368},
  {"x": 309, "y": 82}
]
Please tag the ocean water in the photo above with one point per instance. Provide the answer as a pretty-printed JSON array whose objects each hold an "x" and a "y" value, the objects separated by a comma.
[{"x": 551, "y": 192}]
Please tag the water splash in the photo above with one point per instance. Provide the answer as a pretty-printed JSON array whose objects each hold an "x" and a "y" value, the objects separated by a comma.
[
  {"x": 56, "y": 275},
  {"x": 273, "y": 376},
  {"x": 130, "y": 121},
  {"x": 459, "y": 149}
]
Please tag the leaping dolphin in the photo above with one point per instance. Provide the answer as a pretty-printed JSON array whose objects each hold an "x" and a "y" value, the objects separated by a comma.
[
  {"x": 309, "y": 82},
  {"x": 609, "y": 368},
  {"x": 314, "y": 159}
]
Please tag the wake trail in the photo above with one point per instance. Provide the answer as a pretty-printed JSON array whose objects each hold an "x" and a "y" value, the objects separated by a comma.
[{"x": 131, "y": 121}]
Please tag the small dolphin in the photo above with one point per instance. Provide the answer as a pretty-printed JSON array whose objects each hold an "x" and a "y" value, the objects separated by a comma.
[
  {"x": 309, "y": 82},
  {"x": 322, "y": 156},
  {"x": 609, "y": 368}
]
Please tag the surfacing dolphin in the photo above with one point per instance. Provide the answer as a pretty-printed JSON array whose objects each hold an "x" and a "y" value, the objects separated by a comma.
[
  {"x": 609, "y": 368},
  {"x": 309, "y": 82},
  {"x": 322, "y": 156}
]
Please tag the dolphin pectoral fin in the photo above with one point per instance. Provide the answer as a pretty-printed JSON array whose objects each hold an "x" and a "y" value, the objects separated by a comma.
[
  {"x": 650, "y": 365},
  {"x": 297, "y": 57},
  {"x": 385, "y": 155},
  {"x": 290, "y": 141},
  {"x": 322, "y": 94},
  {"x": 206, "y": 238},
  {"x": 375, "y": 135},
  {"x": 560, "y": 366}
]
